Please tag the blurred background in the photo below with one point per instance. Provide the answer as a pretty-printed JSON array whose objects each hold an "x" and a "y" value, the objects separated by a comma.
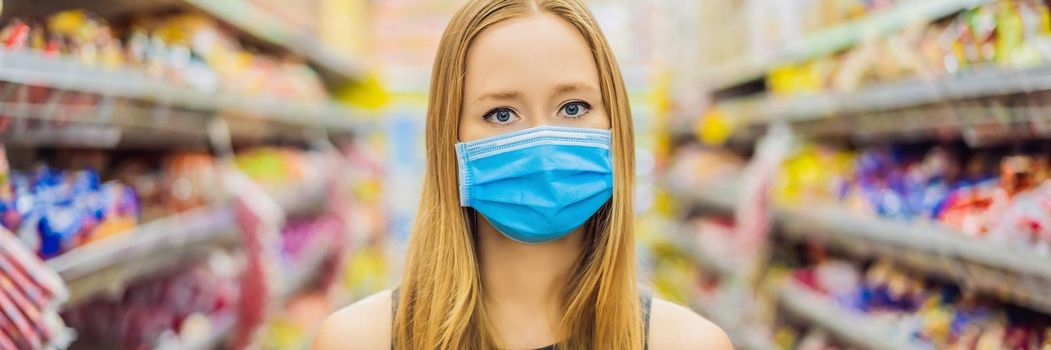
[{"x": 813, "y": 174}]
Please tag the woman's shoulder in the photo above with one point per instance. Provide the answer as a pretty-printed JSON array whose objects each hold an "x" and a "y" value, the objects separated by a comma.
[
  {"x": 364, "y": 325},
  {"x": 673, "y": 326}
]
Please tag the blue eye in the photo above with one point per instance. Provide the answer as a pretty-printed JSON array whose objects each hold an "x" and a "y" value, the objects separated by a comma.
[
  {"x": 575, "y": 109},
  {"x": 501, "y": 117}
]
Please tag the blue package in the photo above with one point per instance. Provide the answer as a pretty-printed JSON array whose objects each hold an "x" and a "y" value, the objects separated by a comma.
[
  {"x": 58, "y": 229},
  {"x": 87, "y": 181}
]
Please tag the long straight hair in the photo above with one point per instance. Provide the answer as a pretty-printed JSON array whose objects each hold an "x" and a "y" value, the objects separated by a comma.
[{"x": 440, "y": 302}]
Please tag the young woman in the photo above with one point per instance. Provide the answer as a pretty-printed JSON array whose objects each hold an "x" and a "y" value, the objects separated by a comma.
[{"x": 524, "y": 235}]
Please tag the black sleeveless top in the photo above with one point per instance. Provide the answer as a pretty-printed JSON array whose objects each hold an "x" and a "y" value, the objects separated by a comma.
[{"x": 644, "y": 299}]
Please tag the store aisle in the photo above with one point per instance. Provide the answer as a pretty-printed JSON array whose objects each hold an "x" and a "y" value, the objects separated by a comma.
[{"x": 811, "y": 174}]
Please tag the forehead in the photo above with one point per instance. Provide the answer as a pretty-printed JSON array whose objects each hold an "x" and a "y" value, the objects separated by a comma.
[{"x": 528, "y": 53}]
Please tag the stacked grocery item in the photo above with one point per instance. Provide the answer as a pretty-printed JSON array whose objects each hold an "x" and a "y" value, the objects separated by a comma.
[
  {"x": 186, "y": 49},
  {"x": 996, "y": 195},
  {"x": 276, "y": 167},
  {"x": 938, "y": 314},
  {"x": 1004, "y": 33},
  {"x": 53, "y": 210},
  {"x": 178, "y": 307},
  {"x": 771, "y": 24},
  {"x": 157, "y": 71},
  {"x": 903, "y": 305},
  {"x": 30, "y": 295},
  {"x": 999, "y": 196},
  {"x": 310, "y": 252}
]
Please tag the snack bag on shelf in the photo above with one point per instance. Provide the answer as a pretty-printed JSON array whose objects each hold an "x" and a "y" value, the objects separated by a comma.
[
  {"x": 163, "y": 311},
  {"x": 30, "y": 289},
  {"x": 29, "y": 296},
  {"x": 190, "y": 181},
  {"x": 815, "y": 173}
]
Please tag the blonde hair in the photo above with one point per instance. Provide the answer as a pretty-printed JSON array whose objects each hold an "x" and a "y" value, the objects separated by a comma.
[{"x": 440, "y": 304}]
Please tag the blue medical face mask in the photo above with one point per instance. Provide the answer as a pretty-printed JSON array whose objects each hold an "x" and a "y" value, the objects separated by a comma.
[{"x": 537, "y": 185}]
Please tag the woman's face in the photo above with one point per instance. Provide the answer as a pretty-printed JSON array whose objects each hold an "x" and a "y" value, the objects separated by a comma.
[{"x": 526, "y": 72}]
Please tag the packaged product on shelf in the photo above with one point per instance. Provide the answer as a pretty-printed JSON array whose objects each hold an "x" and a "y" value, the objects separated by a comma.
[
  {"x": 80, "y": 35},
  {"x": 306, "y": 241},
  {"x": 298, "y": 235},
  {"x": 814, "y": 172},
  {"x": 255, "y": 286},
  {"x": 1003, "y": 33},
  {"x": 313, "y": 246},
  {"x": 939, "y": 315},
  {"x": 157, "y": 310},
  {"x": 27, "y": 289},
  {"x": 31, "y": 312},
  {"x": 26, "y": 263},
  {"x": 54, "y": 211},
  {"x": 186, "y": 49},
  {"x": 279, "y": 168},
  {"x": 193, "y": 50},
  {"x": 6, "y": 343},
  {"x": 190, "y": 181},
  {"x": 26, "y": 333},
  {"x": 903, "y": 184},
  {"x": 29, "y": 297}
]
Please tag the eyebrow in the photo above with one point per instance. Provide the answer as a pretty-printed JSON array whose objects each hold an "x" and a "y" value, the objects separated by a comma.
[
  {"x": 500, "y": 95},
  {"x": 572, "y": 87},
  {"x": 559, "y": 89}
]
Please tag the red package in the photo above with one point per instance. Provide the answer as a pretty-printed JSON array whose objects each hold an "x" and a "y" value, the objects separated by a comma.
[
  {"x": 16, "y": 35},
  {"x": 6, "y": 343},
  {"x": 31, "y": 290},
  {"x": 10, "y": 311},
  {"x": 29, "y": 311},
  {"x": 32, "y": 267},
  {"x": 252, "y": 306},
  {"x": 8, "y": 331}
]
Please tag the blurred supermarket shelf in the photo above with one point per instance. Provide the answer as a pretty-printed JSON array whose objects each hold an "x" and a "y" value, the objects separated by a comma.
[
  {"x": 1018, "y": 273},
  {"x": 1023, "y": 276},
  {"x": 729, "y": 318},
  {"x": 851, "y": 327},
  {"x": 302, "y": 274},
  {"x": 108, "y": 265},
  {"x": 836, "y": 38},
  {"x": 262, "y": 24},
  {"x": 169, "y": 107},
  {"x": 293, "y": 280},
  {"x": 688, "y": 242},
  {"x": 303, "y": 198},
  {"x": 247, "y": 17},
  {"x": 911, "y": 107}
]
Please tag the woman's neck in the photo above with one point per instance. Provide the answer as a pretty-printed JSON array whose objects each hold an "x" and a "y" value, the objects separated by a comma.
[{"x": 523, "y": 284}]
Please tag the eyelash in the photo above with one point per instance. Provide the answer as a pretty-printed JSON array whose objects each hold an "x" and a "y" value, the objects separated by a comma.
[
  {"x": 587, "y": 108},
  {"x": 488, "y": 117}
]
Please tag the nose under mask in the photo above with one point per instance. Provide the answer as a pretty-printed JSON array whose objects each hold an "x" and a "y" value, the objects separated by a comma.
[{"x": 537, "y": 185}]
